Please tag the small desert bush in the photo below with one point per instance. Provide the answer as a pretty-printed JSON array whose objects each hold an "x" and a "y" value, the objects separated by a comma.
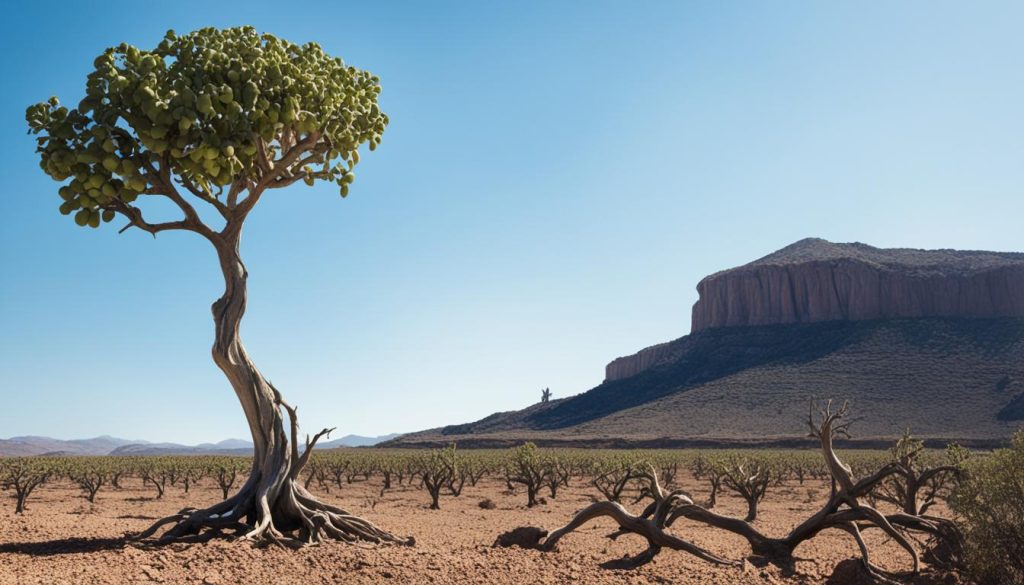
[{"x": 990, "y": 505}]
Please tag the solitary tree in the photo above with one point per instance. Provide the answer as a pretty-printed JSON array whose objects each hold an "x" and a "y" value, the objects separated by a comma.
[{"x": 219, "y": 118}]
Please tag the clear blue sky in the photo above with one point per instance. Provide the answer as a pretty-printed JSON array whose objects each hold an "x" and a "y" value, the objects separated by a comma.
[{"x": 556, "y": 178}]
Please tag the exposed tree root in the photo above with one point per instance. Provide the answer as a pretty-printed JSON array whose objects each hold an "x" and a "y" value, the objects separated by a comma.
[
  {"x": 298, "y": 519},
  {"x": 650, "y": 526},
  {"x": 657, "y": 537},
  {"x": 273, "y": 507},
  {"x": 844, "y": 511}
]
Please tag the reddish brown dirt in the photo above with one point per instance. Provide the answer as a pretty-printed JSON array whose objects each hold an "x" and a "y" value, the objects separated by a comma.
[{"x": 64, "y": 539}]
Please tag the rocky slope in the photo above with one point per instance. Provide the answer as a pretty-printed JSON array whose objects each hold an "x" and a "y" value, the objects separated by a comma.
[
  {"x": 933, "y": 340},
  {"x": 631, "y": 365}
]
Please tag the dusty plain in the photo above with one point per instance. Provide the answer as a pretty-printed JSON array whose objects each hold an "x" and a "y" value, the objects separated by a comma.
[{"x": 63, "y": 539}]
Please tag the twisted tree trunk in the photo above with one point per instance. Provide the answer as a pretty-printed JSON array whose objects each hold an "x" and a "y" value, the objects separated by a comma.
[
  {"x": 262, "y": 406},
  {"x": 272, "y": 504}
]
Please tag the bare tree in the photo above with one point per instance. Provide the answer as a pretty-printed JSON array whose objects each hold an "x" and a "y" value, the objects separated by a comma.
[
  {"x": 24, "y": 475},
  {"x": 704, "y": 468},
  {"x": 154, "y": 474},
  {"x": 316, "y": 470},
  {"x": 558, "y": 473},
  {"x": 750, "y": 479},
  {"x": 916, "y": 485},
  {"x": 192, "y": 474},
  {"x": 90, "y": 480},
  {"x": 475, "y": 469},
  {"x": 338, "y": 469},
  {"x": 226, "y": 473},
  {"x": 613, "y": 481},
  {"x": 438, "y": 470},
  {"x": 527, "y": 467},
  {"x": 119, "y": 472}
]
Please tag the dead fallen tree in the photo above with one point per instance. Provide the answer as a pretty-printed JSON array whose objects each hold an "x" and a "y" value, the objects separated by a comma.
[{"x": 847, "y": 509}]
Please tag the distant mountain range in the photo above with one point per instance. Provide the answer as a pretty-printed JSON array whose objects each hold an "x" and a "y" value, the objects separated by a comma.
[{"x": 107, "y": 445}]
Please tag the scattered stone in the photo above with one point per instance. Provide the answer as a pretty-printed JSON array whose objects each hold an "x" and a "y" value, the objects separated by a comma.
[{"x": 524, "y": 537}]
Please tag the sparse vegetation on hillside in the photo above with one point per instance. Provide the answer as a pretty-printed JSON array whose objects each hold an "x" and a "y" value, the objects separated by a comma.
[{"x": 937, "y": 376}]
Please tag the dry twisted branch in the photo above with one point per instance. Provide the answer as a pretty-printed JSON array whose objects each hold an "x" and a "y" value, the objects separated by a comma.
[{"x": 843, "y": 511}]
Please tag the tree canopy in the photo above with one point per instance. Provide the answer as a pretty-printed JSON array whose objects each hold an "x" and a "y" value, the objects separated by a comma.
[{"x": 226, "y": 114}]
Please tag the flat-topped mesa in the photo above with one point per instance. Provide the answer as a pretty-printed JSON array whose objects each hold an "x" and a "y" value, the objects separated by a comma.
[{"x": 816, "y": 280}]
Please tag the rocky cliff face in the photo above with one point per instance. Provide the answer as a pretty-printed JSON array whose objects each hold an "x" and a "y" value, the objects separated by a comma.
[
  {"x": 632, "y": 365},
  {"x": 816, "y": 280}
]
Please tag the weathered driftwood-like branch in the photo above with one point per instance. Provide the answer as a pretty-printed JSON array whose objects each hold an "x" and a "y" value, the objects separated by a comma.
[
  {"x": 651, "y": 525},
  {"x": 844, "y": 510}
]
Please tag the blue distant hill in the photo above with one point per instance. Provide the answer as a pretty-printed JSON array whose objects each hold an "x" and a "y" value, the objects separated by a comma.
[{"x": 107, "y": 445}]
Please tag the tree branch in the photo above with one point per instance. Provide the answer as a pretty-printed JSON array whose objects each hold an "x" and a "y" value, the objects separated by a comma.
[
  {"x": 309, "y": 451},
  {"x": 236, "y": 188},
  {"x": 289, "y": 157},
  {"x": 204, "y": 195},
  {"x": 161, "y": 183},
  {"x": 281, "y": 166},
  {"x": 135, "y": 219},
  {"x": 262, "y": 158}
]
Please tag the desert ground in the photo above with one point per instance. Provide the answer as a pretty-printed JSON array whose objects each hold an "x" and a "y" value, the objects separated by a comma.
[{"x": 62, "y": 538}]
